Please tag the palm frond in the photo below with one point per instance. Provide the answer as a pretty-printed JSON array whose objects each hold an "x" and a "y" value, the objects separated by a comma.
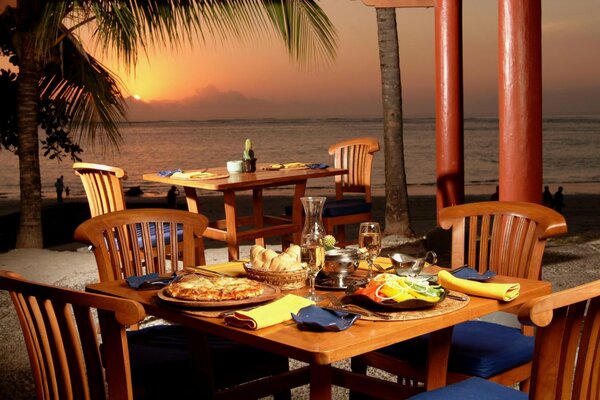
[{"x": 88, "y": 92}]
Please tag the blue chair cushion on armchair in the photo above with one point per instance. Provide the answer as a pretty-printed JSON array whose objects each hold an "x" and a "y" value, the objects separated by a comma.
[
  {"x": 167, "y": 229},
  {"x": 338, "y": 208},
  {"x": 160, "y": 358},
  {"x": 479, "y": 348},
  {"x": 472, "y": 389}
]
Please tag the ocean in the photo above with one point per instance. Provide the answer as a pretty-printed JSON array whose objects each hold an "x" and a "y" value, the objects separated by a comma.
[{"x": 571, "y": 151}]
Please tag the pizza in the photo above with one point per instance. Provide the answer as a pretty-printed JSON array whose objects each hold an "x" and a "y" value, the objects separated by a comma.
[{"x": 200, "y": 288}]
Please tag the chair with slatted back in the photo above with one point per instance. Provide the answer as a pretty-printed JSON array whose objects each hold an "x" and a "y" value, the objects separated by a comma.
[
  {"x": 124, "y": 245},
  {"x": 508, "y": 238},
  {"x": 104, "y": 191},
  {"x": 60, "y": 335},
  {"x": 565, "y": 361},
  {"x": 352, "y": 204},
  {"x": 103, "y": 187}
]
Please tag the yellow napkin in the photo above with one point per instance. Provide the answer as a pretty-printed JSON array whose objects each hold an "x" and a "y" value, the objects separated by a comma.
[
  {"x": 499, "y": 291},
  {"x": 233, "y": 268},
  {"x": 385, "y": 262},
  {"x": 199, "y": 174},
  {"x": 290, "y": 165},
  {"x": 271, "y": 314}
]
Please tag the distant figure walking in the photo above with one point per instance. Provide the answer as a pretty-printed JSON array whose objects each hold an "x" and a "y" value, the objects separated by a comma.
[
  {"x": 496, "y": 195},
  {"x": 559, "y": 198},
  {"x": 60, "y": 186},
  {"x": 172, "y": 197},
  {"x": 547, "y": 198}
]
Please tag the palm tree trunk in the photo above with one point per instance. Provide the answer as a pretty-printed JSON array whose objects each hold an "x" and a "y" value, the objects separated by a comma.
[
  {"x": 397, "y": 217},
  {"x": 30, "y": 224}
]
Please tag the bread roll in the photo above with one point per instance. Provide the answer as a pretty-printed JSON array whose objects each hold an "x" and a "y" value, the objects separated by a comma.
[
  {"x": 255, "y": 250},
  {"x": 295, "y": 252}
]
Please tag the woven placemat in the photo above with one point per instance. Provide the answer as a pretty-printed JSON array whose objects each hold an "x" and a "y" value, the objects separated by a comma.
[{"x": 446, "y": 306}]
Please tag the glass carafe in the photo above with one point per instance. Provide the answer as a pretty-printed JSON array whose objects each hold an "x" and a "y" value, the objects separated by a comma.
[{"x": 313, "y": 249}]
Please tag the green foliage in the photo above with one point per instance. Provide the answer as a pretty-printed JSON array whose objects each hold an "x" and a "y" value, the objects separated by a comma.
[{"x": 248, "y": 152}]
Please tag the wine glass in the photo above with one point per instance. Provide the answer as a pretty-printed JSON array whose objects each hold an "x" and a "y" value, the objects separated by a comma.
[
  {"x": 313, "y": 256},
  {"x": 369, "y": 243}
]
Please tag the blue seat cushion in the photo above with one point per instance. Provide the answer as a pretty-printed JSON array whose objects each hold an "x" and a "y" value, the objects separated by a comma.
[
  {"x": 338, "y": 208},
  {"x": 160, "y": 357},
  {"x": 167, "y": 230},
  {"x": 473, "y": 389},
  {"x": 479, "y": 348}
]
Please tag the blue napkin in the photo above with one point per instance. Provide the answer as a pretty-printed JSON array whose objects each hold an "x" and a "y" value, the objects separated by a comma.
[
  {"x": 150, "y": 281},
  {"x": 317, "y": 166},
  {"x": 319, "y": 319},
  {"x": 169, "y": 172},
  {"x": 471, "y": 274}
]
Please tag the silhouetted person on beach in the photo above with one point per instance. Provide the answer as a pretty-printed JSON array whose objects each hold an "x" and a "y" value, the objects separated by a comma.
[
  {"x": 67, "y": 191},
  {"x": 496, "y": 195},
  {"x": 172, "y": 197},
  {"x": 59, "y": 185},
  {"x": 547, "y": 198},
  {"x": 559, "y": 198}
]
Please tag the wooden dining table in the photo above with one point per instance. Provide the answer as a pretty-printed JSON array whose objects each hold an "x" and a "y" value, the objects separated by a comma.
[
  {"x": 259, "y": 225},
  {"x": 321, "y": 349}
]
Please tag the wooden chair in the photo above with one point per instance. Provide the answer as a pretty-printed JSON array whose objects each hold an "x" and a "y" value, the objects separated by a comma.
[
  {"x": 143, "y": 233},
  {"x": 508, "y": 238},
  {"x": 104, "y": 191},
  {"x": 356, "y": 155},
  {"x": 124, "y": 245},
  {"x": 60, "y": 335},
  {"x": 103, "y": 187},
  {"x": 565, "y": 362}
]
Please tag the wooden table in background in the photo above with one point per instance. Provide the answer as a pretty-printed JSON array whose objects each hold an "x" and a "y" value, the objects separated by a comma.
[
  {"x": 262, "y": 225},
  {"x": 321, "y": 349}
]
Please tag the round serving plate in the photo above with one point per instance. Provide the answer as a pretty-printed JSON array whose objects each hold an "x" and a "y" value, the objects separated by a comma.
[
  {"x": 390, "y": 305},
  {"x": 270, "y": 292}
]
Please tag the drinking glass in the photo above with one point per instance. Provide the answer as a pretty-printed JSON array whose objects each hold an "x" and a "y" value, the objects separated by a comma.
[
  {"x": 369, "y": 242},
  {"x": 313, "y": 256}
]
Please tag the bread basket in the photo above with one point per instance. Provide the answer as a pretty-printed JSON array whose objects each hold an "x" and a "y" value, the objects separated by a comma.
[{"x": 284, "y": 280}]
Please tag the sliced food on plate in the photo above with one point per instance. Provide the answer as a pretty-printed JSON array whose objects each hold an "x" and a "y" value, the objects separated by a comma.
[
  {"x": 390, "y": 288},
  {"x": 201, "y": 288}
]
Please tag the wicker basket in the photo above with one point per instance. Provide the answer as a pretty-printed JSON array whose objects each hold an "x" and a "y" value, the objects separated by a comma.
[{"x": 283, "y": 280}]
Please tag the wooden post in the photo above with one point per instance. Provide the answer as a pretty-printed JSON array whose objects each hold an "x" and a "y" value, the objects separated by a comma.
[
  {"x": 450, "y": 178},
  {"x": 520, "y": 100}
]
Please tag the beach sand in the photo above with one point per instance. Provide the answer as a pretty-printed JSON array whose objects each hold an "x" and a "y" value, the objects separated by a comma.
[{"x": 568, "y": 260}]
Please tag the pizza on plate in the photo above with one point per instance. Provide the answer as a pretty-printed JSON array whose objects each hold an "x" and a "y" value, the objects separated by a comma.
[{"x": 200, "y": 288}]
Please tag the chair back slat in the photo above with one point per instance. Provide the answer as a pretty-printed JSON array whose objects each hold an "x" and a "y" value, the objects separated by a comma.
[
  {"x": 506, "y": 237},
  {"x": 60, "y": 335},
  {"x": 135, "y": 242},
  {"x": 567, "y": 346}
]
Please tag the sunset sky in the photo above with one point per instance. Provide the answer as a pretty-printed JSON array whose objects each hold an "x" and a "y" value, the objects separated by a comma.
[{"x": 256, "y": 79}]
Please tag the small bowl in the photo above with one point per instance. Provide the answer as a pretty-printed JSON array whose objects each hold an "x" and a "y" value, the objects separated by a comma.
[
  {"x": 340, "y": 263},
  {"x": 406, "y": 265}
]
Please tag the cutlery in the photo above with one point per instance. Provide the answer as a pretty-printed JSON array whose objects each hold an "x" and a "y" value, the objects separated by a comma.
[
  {"x": 456, "y": 297},
  {"x": 339, "y": 306}
]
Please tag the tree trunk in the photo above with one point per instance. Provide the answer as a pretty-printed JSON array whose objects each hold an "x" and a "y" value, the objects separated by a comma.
[
  {"x": 397, "y": 217},
  {"x": 30, "y": 224}
]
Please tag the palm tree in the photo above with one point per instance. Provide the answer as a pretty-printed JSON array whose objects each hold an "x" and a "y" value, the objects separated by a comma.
[
  {"x": 397, "y": 217},
  {"x": 53, "y": 62}
]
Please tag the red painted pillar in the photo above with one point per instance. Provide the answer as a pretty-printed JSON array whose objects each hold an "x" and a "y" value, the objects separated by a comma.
[
  {"x": 450, "y": 171},
  {"x": 520, "y": 100}
]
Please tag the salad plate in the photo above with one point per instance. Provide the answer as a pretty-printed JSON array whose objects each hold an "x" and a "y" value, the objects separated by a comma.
[{"x": 383, "y": 293}]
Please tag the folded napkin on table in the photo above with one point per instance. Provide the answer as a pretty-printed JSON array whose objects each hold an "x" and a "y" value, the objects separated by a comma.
[
  {"x": 291, "y": 165},
  {"x": 471, "y": 274},
  {"x": 150, "y": 281},
  {"x": 499, "y": 291},
  {"x": 319, "y": 319},
  {"x": 317, "y": 166},
  {"x": 198, "y": 174},
  {"x": 169, "y": 172},
  {"x": 232, "y": 268},
  {"x": 271, "y": 314}
]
